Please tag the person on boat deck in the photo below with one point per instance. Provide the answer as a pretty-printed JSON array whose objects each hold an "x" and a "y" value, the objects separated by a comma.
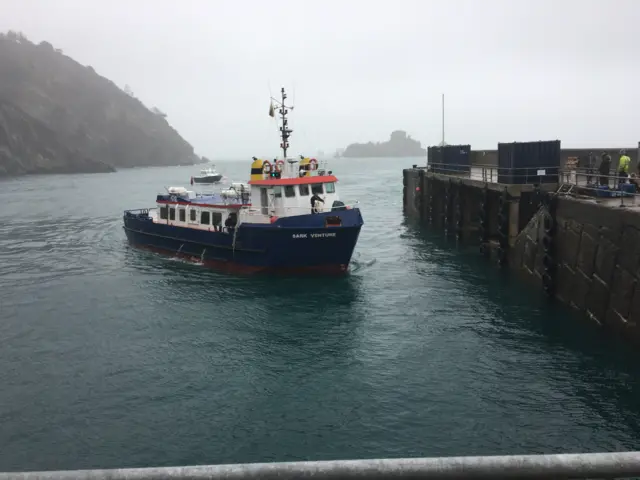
[
  {"x": 314, "y": 199},
  {"x": 230, "y": 222}
]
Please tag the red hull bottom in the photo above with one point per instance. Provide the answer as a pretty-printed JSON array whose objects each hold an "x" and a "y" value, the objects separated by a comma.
[{"x": 231, "y": 267}]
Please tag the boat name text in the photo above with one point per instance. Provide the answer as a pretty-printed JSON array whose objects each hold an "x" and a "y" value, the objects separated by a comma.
[{"x": 313, "y": 235}]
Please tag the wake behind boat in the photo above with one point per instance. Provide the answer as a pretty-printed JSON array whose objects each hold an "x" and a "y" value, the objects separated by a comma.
[
  {"x": 208, "y": 176},
  {"x": 288, "y": 218}
]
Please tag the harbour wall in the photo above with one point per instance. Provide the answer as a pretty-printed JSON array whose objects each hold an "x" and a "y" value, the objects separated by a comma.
[
  {"x": 584, "y": 252},
  {"x": 586, "y": 255}
]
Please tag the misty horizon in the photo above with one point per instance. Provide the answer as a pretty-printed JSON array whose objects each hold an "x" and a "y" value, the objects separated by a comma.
[{"x": 510, "y": 71}]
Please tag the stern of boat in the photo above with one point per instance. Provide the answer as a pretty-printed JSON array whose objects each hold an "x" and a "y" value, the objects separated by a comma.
[{"x": 323, "y": 241}]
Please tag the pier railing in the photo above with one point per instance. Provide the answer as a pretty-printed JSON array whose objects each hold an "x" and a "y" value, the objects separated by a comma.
[
  {"x": 588, "y": 182},
  {"x": 591, "y": 178},
  {"x": 576, "y": 180},
  {"x": 561, "y": 466},
  {"x": 494, "y": 173}
]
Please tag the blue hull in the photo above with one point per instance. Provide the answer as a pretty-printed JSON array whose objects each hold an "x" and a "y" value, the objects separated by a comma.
[{"x": 290, "y": 244}]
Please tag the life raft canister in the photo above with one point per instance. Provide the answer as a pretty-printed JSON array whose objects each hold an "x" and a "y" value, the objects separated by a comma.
[
  {"x": 256, "y": 169},
  {"x": 279, "y": 165},
  {"x": 266, "y": 167}
]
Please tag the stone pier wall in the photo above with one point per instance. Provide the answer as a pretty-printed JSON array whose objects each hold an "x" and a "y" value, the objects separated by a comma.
[
  {"x": 597, "y": 253},
  {"x": 454, "y": 204},
  {"x": 585, "y": 254}
]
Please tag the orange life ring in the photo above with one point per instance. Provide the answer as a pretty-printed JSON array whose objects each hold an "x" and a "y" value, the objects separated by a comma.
[
  {"x": 279, "y": 165},
  {"x": 313, "y": 163},
  {"x": 266, "y": 167}
]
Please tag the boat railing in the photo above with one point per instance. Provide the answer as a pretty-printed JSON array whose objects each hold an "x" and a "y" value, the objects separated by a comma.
[
  {"x": 552, "y": 466},
  {"x": 203, "y": 198},
  {"x": 320, "y": 208},
  {"x": 140, "y": 212},
  {"x": 293, "y": 211}
]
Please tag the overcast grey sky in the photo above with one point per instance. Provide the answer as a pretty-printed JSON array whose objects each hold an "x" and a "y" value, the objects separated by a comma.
[{"x": 511, "y": 70}]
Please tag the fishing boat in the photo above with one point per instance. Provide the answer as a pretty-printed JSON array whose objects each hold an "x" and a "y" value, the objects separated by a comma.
[
  {"x": 207, "y": 176},
  {"x": 287, "y": 218}
]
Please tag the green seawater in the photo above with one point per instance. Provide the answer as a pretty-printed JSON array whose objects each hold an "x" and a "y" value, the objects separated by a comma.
[{"x": 116, "y": 357}]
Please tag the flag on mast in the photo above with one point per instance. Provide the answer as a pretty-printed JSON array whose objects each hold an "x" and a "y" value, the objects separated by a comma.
[{"x": 272, "y": 112}]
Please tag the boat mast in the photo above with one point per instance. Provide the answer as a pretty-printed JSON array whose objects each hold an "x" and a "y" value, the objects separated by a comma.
[
  {"x": 443, "y": 144},
  {"x": 285, "y": 131}
]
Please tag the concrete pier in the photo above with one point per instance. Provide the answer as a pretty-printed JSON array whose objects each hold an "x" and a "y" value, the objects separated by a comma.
[{"x": 581, "y": 249}]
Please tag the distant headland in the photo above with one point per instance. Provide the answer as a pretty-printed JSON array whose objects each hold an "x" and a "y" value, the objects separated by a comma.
[
  {"x": 57, "y": 116},
  {"x": 399, "y": 145}
]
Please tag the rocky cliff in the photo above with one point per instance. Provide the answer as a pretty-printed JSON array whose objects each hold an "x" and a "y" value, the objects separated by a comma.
[
  {"x": 57, "y": 116},
  {"x": 398, "y": 145}
]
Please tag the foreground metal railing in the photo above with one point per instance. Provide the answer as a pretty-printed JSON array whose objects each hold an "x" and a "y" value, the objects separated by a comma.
[{"x": 563, "y": 466}]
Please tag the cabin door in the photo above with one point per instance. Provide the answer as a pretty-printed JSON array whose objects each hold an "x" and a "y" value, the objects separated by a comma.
[
  {"x": 264, "y": 201},
  {"x": 278, "y": 206}
]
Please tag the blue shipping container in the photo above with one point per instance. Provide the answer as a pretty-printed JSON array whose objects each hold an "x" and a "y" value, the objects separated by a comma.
[
  {"x": 528, "y": 162},
  {"x": 450, "y": 159},
  {"x": 458, "y": 157},
  {"x": 435, "y": 159}
]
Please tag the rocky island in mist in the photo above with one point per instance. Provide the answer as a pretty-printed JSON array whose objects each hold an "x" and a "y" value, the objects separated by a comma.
[
  {"x": 57, "y": 116},
  {"x": 399, "y": 145}
]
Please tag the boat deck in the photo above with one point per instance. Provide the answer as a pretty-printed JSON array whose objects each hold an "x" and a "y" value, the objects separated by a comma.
[
  {"x": 207, "y": 200},
  {"x": 212, "y": 199}
]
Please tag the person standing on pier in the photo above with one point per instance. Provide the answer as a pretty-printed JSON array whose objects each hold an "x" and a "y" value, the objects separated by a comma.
[
  {"x": 590, "y": 166},
  {"x": 623, "y": 167},
  {"x": 635, "y": 178},
  {"x": 605, "y": 167}
]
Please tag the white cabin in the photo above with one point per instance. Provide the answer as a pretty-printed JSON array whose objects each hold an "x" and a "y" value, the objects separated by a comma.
[
  {"x": 184, "y": 208},
  {"x": 289, "y": 193},
  {"x": 264, "y": 199}
]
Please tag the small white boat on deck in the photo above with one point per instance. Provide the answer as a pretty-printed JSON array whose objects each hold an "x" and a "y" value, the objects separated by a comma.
[{"x": 207, "y": 176}]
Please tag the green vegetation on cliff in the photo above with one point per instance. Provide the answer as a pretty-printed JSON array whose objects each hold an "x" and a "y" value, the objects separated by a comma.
[
  {"x": 57, "y": 116},
  {"x": 399, "y": 145}
]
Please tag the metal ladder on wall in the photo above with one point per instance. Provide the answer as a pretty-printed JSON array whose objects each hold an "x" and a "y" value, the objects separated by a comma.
[{"x": 565, "y": 189}]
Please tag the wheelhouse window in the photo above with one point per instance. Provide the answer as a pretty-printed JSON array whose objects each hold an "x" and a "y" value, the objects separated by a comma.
[
  {"x": 193, "y": 215},
  {"x": 216, "y": 218},
  {"x": 164, "y": 212},
  {"x": 182, "y": 215},
  {"x": 205, "y": 218},
  {"x": 290, "y": 191},
  {"x": 330, "y": 187},
  {"x": 304, "y": 190},
  {"x": 277, "y": 191},
  {"x": 172, "y": 213},
  {"x": 316, "y": 188}
]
